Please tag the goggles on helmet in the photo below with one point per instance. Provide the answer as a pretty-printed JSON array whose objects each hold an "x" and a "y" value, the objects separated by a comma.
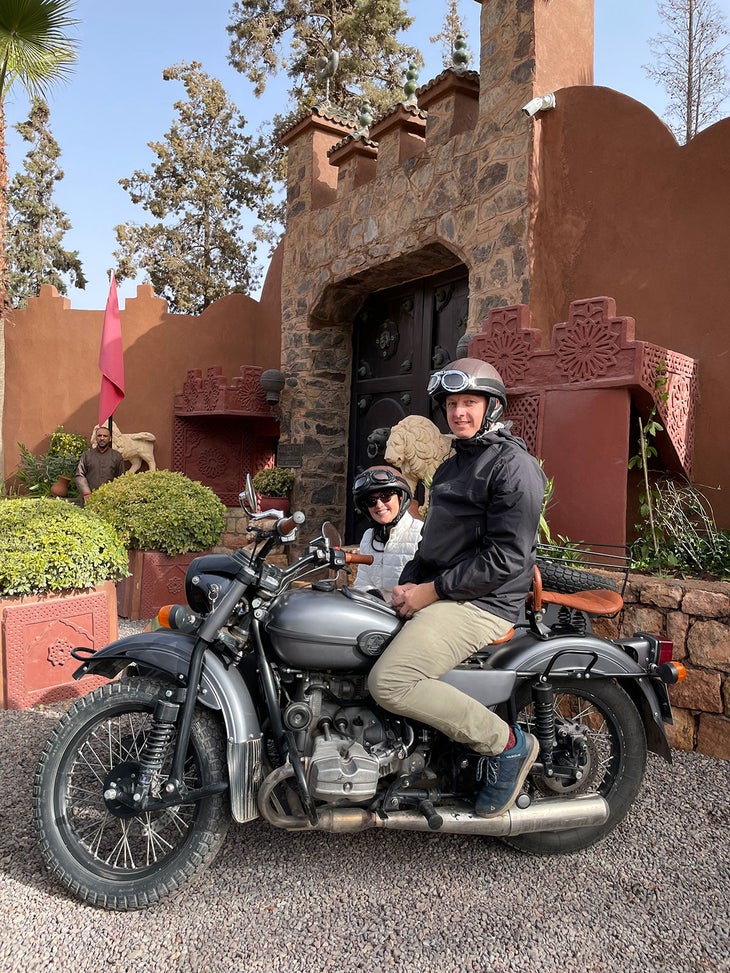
[
  {"x": 450, "y": 380},
  {"x": 374, "y": 479}
]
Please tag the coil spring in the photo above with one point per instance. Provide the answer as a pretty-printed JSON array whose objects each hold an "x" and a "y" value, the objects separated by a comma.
[
  {"x": 542, "y": 698},
  {"x": 154, "y": 750}
]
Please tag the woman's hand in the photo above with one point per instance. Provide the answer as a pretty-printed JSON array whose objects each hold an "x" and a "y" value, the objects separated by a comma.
[{"x": 409, "y": 598}]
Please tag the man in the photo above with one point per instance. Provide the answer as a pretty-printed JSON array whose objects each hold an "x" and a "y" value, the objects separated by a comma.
[
  {"x": 99, "y": 465},
  {"x": 469, "y": 578}
]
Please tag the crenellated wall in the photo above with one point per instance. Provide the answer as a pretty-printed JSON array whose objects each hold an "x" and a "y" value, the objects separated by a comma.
[
  {"x": 52, "y": 350},
  {"x": 428, "y": 188},
  {"x": 594, "y": 197}
]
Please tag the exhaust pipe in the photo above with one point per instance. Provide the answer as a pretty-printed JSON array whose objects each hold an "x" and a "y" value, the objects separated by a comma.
[{"x": 555, "y": 814}]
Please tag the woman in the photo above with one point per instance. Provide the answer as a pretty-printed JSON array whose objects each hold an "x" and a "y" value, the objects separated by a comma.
[{"x": 382, "y": 494}]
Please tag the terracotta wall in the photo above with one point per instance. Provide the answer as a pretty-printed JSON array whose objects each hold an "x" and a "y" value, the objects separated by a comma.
[
  {"x": 52, "y": 350},
  {"x": 624, "y": 210}
]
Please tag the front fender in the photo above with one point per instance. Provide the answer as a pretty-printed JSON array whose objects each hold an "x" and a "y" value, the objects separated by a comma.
[
  {"x": 168, "y": 652},
  {"x": 571, "y": 656}
]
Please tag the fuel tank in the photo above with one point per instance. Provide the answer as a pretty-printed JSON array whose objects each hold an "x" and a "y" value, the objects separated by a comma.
[{"x": 324, "y": 627}]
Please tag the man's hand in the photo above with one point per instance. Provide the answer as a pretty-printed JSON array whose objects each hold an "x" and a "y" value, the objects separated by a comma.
[{"x": 409, "y": 598}]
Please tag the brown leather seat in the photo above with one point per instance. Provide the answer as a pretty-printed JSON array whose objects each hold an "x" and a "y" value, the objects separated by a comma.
[{"x": 600, "y": 601}]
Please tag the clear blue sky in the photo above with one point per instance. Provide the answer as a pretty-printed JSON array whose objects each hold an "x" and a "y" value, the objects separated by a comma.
[{"x": 116, "y": 101}]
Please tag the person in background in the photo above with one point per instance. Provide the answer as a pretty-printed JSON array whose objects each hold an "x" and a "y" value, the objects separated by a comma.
[
  {"x": 468, "y": 580},
  {"x": 382, "y": 494},
  {"x": 100, "y": 465}
]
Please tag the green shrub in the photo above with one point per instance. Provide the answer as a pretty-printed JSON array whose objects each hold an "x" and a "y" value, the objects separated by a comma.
[
  {"x": 37, "y": 474},
  {"x": 160, "y": 511},
  {"x": 274, "y": 481},
  {"x": 682, "y": 538},
  {"x": 52, "y": 545}
]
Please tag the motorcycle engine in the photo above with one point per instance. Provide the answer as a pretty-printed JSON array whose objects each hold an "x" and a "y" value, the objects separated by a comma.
[{"x": 350, "y": 744}]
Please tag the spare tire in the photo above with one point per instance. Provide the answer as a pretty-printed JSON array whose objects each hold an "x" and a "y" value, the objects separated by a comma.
[{"x": 561, "y": 576}]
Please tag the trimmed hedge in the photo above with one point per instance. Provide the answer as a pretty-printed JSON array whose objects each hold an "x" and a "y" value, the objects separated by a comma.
[
  {"x": 52, "y": 545},
  {"x": 160, "y": 510}
]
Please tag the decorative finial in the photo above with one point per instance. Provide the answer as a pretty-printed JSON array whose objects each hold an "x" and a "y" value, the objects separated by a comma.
[
  {"x": 410, "y": 86},
  {"x": 365, "y": 118},
  {"x": 461, "y": 55},
  {"x": 325, "y": 68}
]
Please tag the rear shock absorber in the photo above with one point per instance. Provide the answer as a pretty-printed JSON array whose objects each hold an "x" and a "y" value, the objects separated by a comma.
[
  {"x": 155, "y": 746},
  {"x": 544, "y": 727}
]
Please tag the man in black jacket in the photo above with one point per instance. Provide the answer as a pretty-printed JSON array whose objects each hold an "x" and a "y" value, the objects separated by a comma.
[{"x": 469, "y": 578}]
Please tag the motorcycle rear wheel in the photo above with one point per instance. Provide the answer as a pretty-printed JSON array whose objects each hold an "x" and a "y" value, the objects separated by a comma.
[
  {"x": 107, "y": 854},
  {"x": 616, "y": 759}
]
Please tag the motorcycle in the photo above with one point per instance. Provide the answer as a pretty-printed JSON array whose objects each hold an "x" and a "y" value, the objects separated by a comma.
[{"x": 251, "y": 701}]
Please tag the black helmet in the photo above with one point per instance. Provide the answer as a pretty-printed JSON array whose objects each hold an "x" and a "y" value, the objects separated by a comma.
[
  {"x": 376, "y": 478},
  {"x": 470, "y": 375}
]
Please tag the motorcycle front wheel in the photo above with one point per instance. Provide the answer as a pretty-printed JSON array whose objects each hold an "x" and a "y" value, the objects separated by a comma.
[
  {"x": 616, "y": 758},
  {"x": 106, "y": 853}
]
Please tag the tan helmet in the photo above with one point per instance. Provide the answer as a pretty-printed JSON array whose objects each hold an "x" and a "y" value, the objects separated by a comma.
[{"x": 470, "y": 375}]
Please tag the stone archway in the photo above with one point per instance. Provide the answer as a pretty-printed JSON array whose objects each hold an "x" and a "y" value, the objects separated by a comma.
[{"x": 323, "y": 383}]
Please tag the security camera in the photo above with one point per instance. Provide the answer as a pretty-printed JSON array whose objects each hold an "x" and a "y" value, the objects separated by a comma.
[{"x": 541, "y": 103}]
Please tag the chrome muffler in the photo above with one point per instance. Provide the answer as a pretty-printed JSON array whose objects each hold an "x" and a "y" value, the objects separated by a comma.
[{"x": 553, "y": 814}]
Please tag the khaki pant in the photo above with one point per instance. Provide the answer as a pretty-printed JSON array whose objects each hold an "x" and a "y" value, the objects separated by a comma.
[{"x": 405, "y": 679}]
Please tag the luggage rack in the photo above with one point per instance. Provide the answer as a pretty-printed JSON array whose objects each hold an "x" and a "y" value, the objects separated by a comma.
[{"x": 587, "y": 557}]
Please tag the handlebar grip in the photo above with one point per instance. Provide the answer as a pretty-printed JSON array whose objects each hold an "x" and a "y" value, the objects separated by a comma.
[
  {"x": 287, "y": 524},
  {"x": 355, "y": 558}
]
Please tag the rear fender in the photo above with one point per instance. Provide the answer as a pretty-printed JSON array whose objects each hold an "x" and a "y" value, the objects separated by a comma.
[
  {"x": 573, "y": 655},
  {"x": 168, "y": 652}
]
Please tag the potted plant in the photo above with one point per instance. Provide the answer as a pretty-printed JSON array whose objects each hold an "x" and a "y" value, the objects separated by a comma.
[
  {"x": 273, "y": 485},
  {"x": 165, "y": 519},
  {"x": 58, "y": 565},
  {"x": 52, "y": 473}
]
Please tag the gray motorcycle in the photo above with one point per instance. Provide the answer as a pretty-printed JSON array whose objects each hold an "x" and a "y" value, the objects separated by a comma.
[{"x": 251, "y": 701}]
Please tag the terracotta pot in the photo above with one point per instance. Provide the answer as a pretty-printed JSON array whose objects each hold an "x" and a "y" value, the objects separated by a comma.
[
  {"x": 155, "y": 580},
  {"x": 60, "y": 487},
  {"x": 274, "y": 503},
  {"x": 37, "y": 633}
]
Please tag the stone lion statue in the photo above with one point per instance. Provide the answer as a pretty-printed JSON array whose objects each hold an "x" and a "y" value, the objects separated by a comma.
[
  {"x": 136, "y": 447},
  {"x": 417, "y": 447}
]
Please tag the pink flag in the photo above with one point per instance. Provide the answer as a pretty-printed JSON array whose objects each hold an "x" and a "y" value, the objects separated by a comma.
[{"x": 111, "y": 359}]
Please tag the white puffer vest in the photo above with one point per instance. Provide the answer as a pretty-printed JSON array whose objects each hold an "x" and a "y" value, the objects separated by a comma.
[{"x": 388, "y": 562}]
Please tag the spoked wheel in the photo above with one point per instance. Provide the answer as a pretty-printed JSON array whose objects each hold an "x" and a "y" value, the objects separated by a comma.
[
  {"x": 105, "y": 852},
  {"x": 604, "y": 715}
]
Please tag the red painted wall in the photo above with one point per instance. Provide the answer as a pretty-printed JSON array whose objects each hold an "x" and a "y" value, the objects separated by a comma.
[
  {"x": 52, "y": 351},
  {"x": 624, "y": 210}
]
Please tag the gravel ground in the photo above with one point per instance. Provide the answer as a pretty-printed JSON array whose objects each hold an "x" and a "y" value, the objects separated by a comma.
[{"x": 652, "y": 896}]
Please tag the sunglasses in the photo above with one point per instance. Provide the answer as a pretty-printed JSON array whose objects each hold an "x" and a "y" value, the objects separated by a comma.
[{"x": 385, "y": 497}]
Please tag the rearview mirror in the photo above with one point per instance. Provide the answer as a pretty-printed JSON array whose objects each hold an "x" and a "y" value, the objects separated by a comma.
[{"x": 247, "y": 497}]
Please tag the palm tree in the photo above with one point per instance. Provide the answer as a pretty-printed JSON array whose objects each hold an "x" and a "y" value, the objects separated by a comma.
[{"x": 35, "y": 51}]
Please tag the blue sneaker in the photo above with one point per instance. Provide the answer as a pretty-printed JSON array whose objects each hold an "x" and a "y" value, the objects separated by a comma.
[{"x": 505, "y": 775}]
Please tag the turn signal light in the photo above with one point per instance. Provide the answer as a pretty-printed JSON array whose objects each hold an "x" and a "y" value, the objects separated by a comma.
[
  {"x": 671, "y": 672},
  {"x": 163, "y": 616},
  {"x": 178, "y": 617}
]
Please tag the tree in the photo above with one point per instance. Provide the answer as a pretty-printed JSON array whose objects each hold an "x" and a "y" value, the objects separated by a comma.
[
  {"x": 344, "y": 51},
  {"x": 36, "y": 226},
  {"x": 690, "y": 63},
  {"x": 450, "y": 29},
  {"x": 208, "y": 173},
  {"x": 35, "y": 51}
]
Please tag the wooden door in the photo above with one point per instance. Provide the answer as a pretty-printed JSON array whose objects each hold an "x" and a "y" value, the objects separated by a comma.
[{"x": 399, "y": 337}]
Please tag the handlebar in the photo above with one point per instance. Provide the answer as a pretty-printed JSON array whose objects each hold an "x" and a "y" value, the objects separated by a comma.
[
  {"x": 286, "y": 525},
  {"x": 355, "y": 558}
]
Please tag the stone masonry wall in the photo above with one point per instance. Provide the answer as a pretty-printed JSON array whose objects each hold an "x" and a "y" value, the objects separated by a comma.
[{"x": 695, "y": 616}]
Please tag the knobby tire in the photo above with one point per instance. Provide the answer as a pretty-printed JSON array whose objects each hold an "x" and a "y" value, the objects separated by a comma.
[{"x": 124, "y": 860}]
